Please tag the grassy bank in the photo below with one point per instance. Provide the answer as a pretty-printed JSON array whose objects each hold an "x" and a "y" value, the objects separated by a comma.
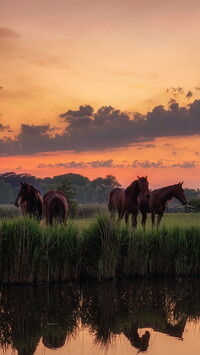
[{"x": 30, "y": 252}]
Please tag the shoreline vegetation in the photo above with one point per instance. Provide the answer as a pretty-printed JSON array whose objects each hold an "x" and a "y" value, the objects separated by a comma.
[{"x": 36, "y": 253}]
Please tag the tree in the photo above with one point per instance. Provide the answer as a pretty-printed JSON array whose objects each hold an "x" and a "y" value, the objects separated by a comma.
[
  {"x": 65, "y": 186},
  {"x": 101, "y": 187},
  {"x": 195, "y": 203},
  {"x": 6, "y": 193}
]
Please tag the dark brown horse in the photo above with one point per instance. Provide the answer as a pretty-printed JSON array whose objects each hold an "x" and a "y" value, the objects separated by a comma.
[
  {"x": 126, "y": 202},
  {"x": 56, "y": 207},
  {"x": 157, "y": 202},
  {"x": 30, "y": 200}
]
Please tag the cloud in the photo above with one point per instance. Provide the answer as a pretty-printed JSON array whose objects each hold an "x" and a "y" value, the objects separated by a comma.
[
  {"x": 186, "y": 164},
  {"x": 189, "y": 94},
  {"x": 159, "y": 164},
  {"x": 72, "y": 164},
  {"x": 4, "y": 128},
  {"x": 7, "y": 32},
  {"x": 107, "y": 128},
  {"x": 101, "y": 163},
  {"x": 86, "y": 110},
  {"x": 175, "y": 92},
  {"x": 148, "y": 164}
]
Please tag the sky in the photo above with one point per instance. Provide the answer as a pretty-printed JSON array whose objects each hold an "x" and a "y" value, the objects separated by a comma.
[{"x": 101, "y": 87}]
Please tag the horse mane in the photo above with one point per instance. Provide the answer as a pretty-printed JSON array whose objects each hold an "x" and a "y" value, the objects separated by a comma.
[
  {"x": 166, "y": 187},
  {"x": 134, "y": 187}
]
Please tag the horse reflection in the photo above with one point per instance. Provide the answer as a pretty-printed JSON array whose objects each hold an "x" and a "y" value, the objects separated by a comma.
[
  {"x": 140, "y": 343},
  {"x": 157, "y": 202},
  {"x": 30, "y": 200}
]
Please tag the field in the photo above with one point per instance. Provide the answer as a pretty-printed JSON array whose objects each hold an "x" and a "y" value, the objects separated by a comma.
[
  {"x": 169, "y": 220},
  {"x": 86, "y": 215},
  {"x": 96, "y": 248}
]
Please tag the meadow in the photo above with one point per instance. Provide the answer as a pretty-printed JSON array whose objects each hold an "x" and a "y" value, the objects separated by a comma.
[{"x": 96, "y": 248}]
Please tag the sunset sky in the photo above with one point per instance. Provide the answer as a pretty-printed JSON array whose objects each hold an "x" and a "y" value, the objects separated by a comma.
[{"x": 101, "y": 87}]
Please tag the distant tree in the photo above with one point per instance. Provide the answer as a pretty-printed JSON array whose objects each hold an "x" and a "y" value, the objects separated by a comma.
[
  {"x": 101, "y": 187},
  {"x": 192, "y": 193},
  {"x": 195, "y": 203},
  {"x": 65, "y": 186},
  {"x": 6, "y": 193}
]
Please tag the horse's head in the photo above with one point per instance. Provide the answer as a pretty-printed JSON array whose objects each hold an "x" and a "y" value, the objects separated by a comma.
[
  {"x": 144, "y": 186},
  {"x": 179, "y": 193},
  {"x": 23, "y": 195}
]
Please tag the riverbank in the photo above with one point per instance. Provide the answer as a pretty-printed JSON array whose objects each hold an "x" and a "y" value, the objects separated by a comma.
[{"x": 34, "y": 253}]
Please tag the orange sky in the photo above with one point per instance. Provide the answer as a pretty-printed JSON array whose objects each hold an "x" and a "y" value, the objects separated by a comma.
[{"x": 131, "y": 54}]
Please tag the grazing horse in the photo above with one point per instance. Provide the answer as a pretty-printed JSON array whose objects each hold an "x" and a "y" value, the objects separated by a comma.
[
  {"x": 56, "y": 207},
  {"x": 30, "y": 200},
  {"x": 126, "y": 202},
  {"x": 157, "y": 202}
]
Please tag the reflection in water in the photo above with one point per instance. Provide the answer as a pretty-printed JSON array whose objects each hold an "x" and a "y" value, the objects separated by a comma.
[{"x": 54, "y": 313}]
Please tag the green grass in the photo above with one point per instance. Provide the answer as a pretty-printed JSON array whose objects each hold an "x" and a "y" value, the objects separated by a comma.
[
  {"x": 97, "y": 248},
  {"x": 169, "y": 220}
]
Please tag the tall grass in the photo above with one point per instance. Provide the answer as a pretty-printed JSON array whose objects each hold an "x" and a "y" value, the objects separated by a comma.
[{"x": 32, "y": 252}]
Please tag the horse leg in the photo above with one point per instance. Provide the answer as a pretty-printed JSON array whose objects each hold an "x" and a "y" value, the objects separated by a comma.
[
  {"x": 134, "y": 219},
  {"x": 126, "y": 217},
  {"x": 159, "y": 218},
  {"x": 153, "y": 219},
  {"x": 144, "y": 218}
]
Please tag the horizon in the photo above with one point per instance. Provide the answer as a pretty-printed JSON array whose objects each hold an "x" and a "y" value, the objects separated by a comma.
[
  {"x": 122, "y": 186},
  {"x": 98, "y": 88}
]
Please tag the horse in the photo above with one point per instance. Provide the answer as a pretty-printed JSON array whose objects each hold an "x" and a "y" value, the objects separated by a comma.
[
  {"x": 56, "y": 207},
  {"x": 30, "y": 200},
  {"x": 126, "y": 201},
  {"x": 157, "y": 202}
]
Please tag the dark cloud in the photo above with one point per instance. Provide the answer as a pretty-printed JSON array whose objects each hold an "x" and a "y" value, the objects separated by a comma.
[
  {"x": 7, "y": 32},
  {"x": 186, "y": 164},
  {"x": 107, "y": 128},
  {"x": 32, "y": 130},
  {"x": 4, "y": 128},
  {"x": 189, "y": 94},
  {"x": 73, "y": 164},
  {"x": 150, "y": 145},
  {"x": 159, "y": 164},
  {"x": 148, "y": 164},
  {"x": 101, "y": 163},
  {"x": 175, "y": 92},
  {"x": 1, "y": 87},
  {"x": 86, "y": 110}
]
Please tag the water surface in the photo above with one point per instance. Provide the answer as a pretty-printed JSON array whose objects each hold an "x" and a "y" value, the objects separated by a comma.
[{"x": 154, "y": 316}]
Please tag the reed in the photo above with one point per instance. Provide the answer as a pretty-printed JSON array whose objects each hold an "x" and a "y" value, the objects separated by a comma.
[{"x": 32, "y": 252}]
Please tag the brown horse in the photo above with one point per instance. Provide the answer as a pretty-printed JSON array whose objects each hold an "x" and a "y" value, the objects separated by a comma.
[
  {"x": 56, "y": 207},
  {"x": 157, "y": 202},
  {"x": 126, "y": 202},
  {"x": 30, "y": 200}
]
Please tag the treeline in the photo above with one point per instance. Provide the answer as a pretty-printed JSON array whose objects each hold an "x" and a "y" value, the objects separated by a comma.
[
  {"x": 84, "y": 190},
  {"x": 77, "y": 187}
]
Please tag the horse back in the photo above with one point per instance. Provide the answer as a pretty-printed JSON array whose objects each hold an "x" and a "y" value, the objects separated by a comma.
[{"x": 56, "y": 204}]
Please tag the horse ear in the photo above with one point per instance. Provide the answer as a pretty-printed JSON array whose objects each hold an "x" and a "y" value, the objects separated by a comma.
[
  {"x": 146, "y": 176},
  {"x": 182, "y": 182},
  {"x": 138, "y": 177}
]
